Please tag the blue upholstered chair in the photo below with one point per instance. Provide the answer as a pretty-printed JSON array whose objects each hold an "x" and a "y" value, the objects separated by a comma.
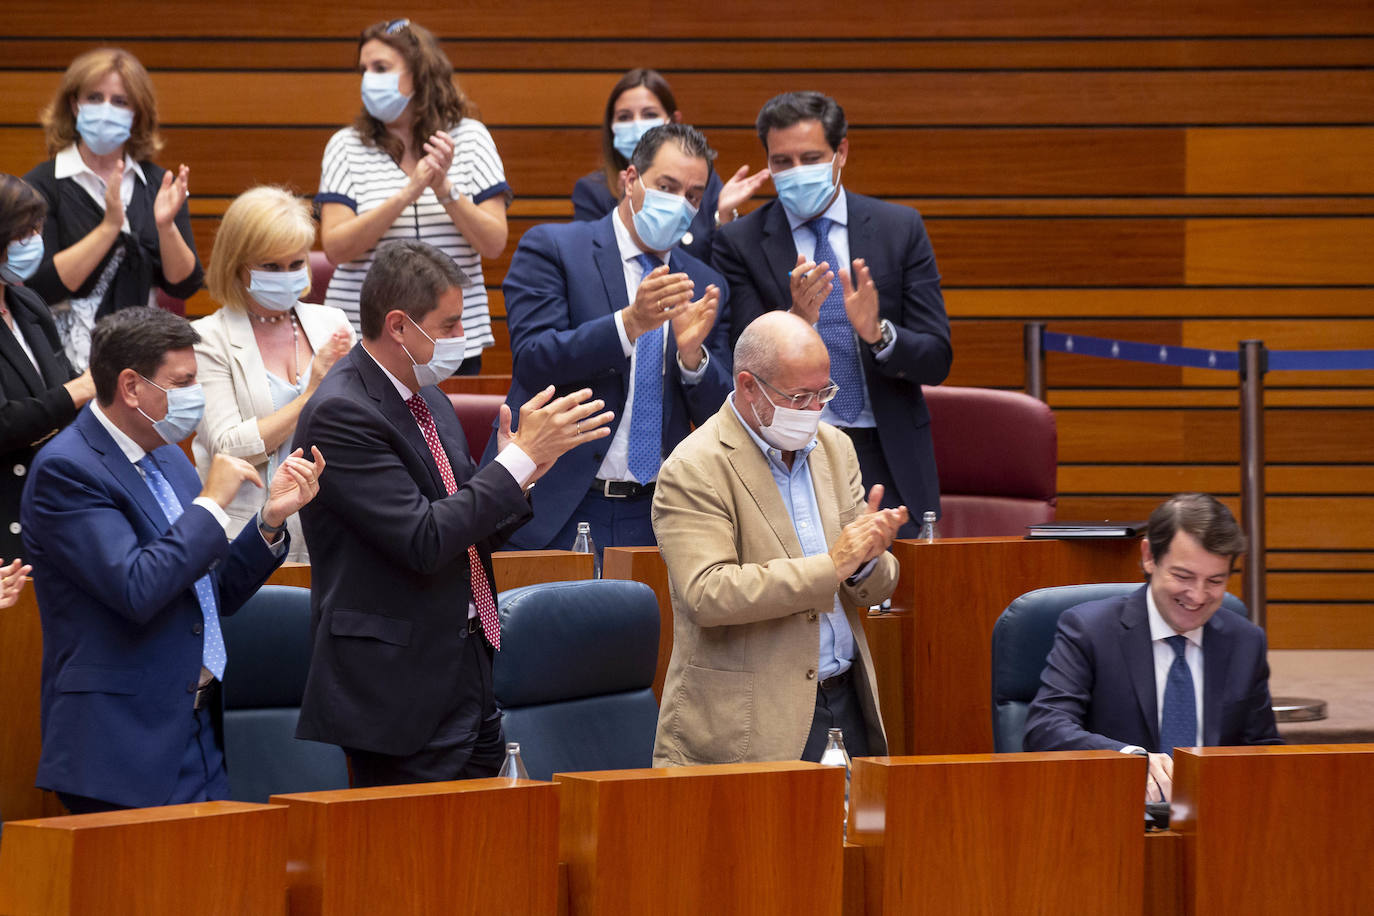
[
  {"x": 1021, "y": 641},
  {"x": 575, "y": 672},
  {"x": 268, "y": 644}
]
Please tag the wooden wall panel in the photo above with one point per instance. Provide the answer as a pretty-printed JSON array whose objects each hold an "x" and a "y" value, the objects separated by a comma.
[
  {"x": 1280, "y": 252},
  {"x": 1287, "y": 160}
]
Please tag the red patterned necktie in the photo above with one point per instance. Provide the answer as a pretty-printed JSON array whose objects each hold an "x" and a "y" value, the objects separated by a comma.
[{"x": 481, "y": 588}]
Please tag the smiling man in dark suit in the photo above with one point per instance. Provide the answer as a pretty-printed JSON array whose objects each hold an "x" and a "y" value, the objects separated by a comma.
[
  {"x": 861, "y": 271},
  {"x": 1165, "y": 666},
  {"x": 403, "y": 601}
]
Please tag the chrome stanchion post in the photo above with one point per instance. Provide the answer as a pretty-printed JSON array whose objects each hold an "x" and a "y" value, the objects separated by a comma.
[
  {"x": 1035, "y": 359},
  {"x": 1253, "y": 365}
]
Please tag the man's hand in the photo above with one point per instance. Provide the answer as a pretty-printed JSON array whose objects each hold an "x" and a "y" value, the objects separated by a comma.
[
  {"x": 692, "y": 324},
  {"x": 736, "y": 191},
  {"x": 810, "y": 283},
  {"x": 227, "y": 474},
  {"x": 861, "y": 302},
  {"x": 550, "y": 426},
  {"x": 867, "y": 536},
  {"x": 12, "y": 582},
  {"x": 296, "y": 482},
  {"x": 661, "y": 297},
  {"x": 1159, "y": 780}
]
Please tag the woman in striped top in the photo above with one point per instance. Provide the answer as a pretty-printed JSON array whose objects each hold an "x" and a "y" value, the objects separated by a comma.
[{"x": 412, "y": 166}]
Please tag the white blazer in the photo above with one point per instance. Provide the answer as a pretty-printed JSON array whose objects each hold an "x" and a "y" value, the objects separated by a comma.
[{"x": 230, "y": 368}]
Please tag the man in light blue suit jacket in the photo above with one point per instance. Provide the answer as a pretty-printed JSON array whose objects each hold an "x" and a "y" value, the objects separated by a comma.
[
  {"x": 583, "y": 304},
  {"x": 129, "y": 600}
]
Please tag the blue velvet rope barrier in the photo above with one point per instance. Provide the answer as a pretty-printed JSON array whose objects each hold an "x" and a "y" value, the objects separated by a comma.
[
  {"x": 1197, "y": 358},
  {"x": 1159, "y": 354}
]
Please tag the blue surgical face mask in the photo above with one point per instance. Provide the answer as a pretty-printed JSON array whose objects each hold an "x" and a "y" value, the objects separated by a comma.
[
  {"x": 382, "y": 95},
  {"x": 22, "y": 258},
  {"x": 805, "y": 190},
  {"x": 104, "y": 127},
  {"x": 448, "y": 356},
  {"x": 625, "y": 134},
  {"x": 278, "y": 290},
  {"x": 662, "y": 219},
  {"x": 185, "y": 407}
]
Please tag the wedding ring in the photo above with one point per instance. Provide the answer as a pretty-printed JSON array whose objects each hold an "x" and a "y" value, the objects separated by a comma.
[{"x": 578, "y": 427}]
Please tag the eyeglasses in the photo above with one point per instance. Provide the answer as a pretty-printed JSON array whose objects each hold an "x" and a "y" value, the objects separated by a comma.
[
  {"x": 396, "y": 25},
  {"x": 806, "y": 398}
]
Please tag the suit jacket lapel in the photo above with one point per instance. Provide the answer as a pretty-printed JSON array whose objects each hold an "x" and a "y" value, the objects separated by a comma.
[
  {"x": 450, "y": 432},
  {"x": 388, "y": 400},
  {"x": 606, "y": 254},
  {"x": 1216, "y": 660},
  {"x": 752, "y": 467},
  {"x": 862, "y": 231},
  {"x": 12, "y": 351},
  {"x": 121, "y": 469},
  {"x": 779, "y": 250},
  {"x": 243, "y": 347},
  {"x": 1138, "y": 652}
]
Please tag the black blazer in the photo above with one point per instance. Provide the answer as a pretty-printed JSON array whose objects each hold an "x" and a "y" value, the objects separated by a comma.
[
  {"x": 35, "y": 404},
  {"x": 756, "y": 254},
  {"x": 72, "y": 214},
  {"x": 391, "y": 582}
]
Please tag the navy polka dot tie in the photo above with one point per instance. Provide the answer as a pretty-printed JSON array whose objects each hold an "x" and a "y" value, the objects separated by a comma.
[
  {"x": 834, "y": 327},
  {"x": 1178, "y": 724},
  {"x": 646, "y": 418}
]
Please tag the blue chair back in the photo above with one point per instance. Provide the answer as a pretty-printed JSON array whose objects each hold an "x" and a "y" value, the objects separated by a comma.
[
  {"x": 1021, "y": 641},
  {"x": 268, "y": 644},
  {"x": 574, "y": 677}
]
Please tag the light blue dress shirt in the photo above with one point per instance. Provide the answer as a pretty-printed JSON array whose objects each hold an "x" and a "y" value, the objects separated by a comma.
[{"x": 836, "y": 651}]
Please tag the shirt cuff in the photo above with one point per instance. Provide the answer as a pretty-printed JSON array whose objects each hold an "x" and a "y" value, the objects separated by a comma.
[
  {"x": 514, "y": 460},
  {"x": 886, "y": 351},
  {"x": 692, "y": 376},
  {"x": 625, "y": 344},
  {"x": 1134, "y": 749},
  {"x": 862, "y": 573},
  {"x": 214, "y": 509}
]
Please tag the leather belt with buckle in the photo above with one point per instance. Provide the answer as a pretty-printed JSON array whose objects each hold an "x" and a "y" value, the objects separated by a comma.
[
  {"x": 621, "y": 489},
  {"x": 474, "y": 625},
  {"x": 837, "y": 680}
]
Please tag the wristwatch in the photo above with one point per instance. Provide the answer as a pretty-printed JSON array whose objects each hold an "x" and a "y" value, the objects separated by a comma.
[
  {"x": 454, "y": 194},
  {"x": 889, "y": 335}
]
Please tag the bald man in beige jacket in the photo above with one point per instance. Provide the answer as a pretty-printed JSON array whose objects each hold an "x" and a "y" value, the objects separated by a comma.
[{"x": 771, "y": 550}]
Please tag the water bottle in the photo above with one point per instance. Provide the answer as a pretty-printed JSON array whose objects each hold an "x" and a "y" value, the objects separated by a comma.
[
  {"x": 513, "y": 768},
  {"x": 929, "y": 532},
  {"x": 583, "y": 543},
  {"x": 835, "y": 755}
]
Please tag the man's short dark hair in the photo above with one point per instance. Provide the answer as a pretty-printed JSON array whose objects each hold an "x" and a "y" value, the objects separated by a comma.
[
  {"x": 1201, "y": 515},
  {"x": 136, "y": 338},
  {"x": 782, "y": 111},
  {"x": 408, "y": 275},
  {"x": 691, "y": 141}
]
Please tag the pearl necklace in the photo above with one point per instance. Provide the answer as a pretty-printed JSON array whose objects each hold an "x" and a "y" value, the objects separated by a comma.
[{"x": 295, "y": 336}]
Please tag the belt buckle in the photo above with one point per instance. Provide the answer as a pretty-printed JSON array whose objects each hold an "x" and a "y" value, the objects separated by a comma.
[
  {"x": 606, "y": 490},
  {"x": 474, "y": 624}
]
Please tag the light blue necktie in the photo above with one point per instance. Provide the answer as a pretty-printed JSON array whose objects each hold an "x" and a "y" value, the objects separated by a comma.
[
  {"x": 212, "y": 656},
  {"x": 1178, "y": 725},
  {"x": 646, "y": 420},
  {"x": 834, "y": 327}
]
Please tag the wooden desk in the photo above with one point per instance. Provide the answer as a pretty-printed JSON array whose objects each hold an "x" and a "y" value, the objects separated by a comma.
[
  {"x": 211, "y": 858},
  {"x": 645, "y": 564},
  {"x": 1276, "y": 830},
  {"x": 760, "y": 838},
  {"x": 953, "y": 591},
  {"x": 1005, "y": 833},
  {"x": 476, "y": 846},
  {"x": 513, "y": 568},
  {"x": 21, "y": 665}
]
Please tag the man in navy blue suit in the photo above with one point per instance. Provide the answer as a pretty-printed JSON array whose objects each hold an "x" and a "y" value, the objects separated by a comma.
[
  {"x": 133, "y": 570},
  {"x": 616, "y": 306},
  {"x": 1165, "y": 666},
  {"x": 861, "y": 271}
]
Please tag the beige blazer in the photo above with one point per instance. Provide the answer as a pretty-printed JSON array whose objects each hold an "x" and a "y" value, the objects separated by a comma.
[
  {"x": 229, "y": 367},
  {"x": 741, "y": 682}
]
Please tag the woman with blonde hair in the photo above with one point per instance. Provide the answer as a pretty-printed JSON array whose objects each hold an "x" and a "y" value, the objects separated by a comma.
[
  {"x": 264, "y": 352},
  {"x": 117, "y": 224},
  {"x": 414, "y": 165}
]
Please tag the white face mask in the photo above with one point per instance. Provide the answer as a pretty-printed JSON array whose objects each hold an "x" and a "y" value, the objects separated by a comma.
[
  {"x": 791, "y": 429},
  {"x": 448, "y": 356}
]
